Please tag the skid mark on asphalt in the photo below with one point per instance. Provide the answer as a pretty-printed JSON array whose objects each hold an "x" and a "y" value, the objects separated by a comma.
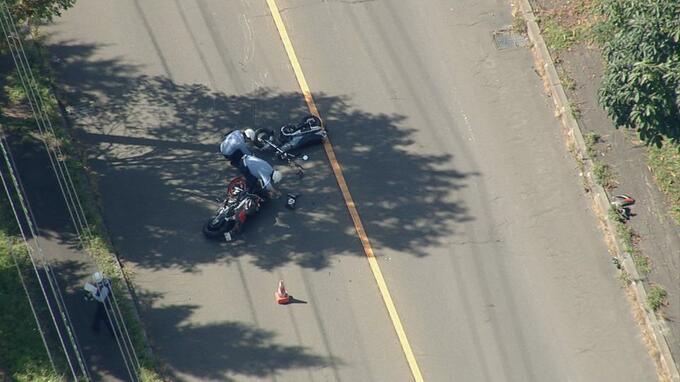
[
  {"x": 196, "y": 45},
  {"x": 322, "y": 329},
  {"x": 337, "y": 171},
  {"x": 154, "y": 41},
  {"x": 394, "y": 57},
  {"x": 221, "y": 46}
]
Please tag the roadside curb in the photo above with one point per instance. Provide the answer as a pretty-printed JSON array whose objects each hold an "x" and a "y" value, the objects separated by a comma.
[{"x": 600, "y": 198}]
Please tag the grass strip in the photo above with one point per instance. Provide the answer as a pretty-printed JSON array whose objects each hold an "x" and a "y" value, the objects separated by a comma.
[
  {"x": 664, "y": 162},
  {"x": 22, "y": 353},
  {"x": 95, "y": 242}
]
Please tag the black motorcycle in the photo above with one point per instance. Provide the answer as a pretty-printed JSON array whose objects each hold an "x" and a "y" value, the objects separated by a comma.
[
  {"x": 237, "y": 206},
  {"x": 291, "y": 137}
]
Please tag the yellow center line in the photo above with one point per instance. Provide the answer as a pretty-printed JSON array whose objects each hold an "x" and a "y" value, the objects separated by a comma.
[{"x": 340, "y": 178}]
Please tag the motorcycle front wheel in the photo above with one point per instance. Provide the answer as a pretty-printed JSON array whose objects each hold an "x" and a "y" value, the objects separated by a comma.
[
  {"x": 261, "y": 135},
  {"x": 213, "y": 230}
]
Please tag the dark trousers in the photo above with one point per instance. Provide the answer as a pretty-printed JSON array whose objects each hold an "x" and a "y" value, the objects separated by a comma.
[
  {"x": 252, "y": 182},
  {"x": 100, "y": 315}
]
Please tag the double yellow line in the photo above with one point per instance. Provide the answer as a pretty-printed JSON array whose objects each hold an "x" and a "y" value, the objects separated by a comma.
[{"x": 340, "y": 178}]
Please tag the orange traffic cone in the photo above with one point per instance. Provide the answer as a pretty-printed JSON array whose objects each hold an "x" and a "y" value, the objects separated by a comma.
[{"x": 281, "y": 294}]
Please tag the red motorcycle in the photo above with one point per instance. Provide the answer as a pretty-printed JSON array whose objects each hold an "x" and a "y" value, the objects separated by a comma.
[{"x": 233, "y": 212}]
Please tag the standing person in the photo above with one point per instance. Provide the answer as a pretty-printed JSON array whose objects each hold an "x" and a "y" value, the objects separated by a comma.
[
  {"x": 260, "y": 175},
  {"x": 100, "y": 291},
  {"x": 234, "y": 145}
]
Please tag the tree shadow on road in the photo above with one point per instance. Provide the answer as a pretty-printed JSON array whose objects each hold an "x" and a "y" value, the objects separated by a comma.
[
  {"x": 220, "y": 350},
  {"x": 153, "y": 145}
]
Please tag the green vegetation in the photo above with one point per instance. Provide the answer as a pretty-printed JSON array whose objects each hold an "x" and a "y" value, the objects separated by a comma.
[
  {"x": 624, "y": 277},
  {"x": 628, "y": 239},
  {"x": 622, "y": 230},
  {"x": 22, "y": 354},
  {"x": 641, "y": 47},
  {"x": 591, "y": 139},
  {"x": 656, "y": 298},
  {"x": 37, "y": 10},
  {"x": 567, "y": 25},
  {"x": 519, "y": 25},
  {"x": 575, "y": 110},
  {"x": 566, "y": 80},
  {"x": 665, "y": 165},
  {"x": 604, "y": 175},
  {"x": 557, "y": 37},
  {"x": 95, "y": 242},
  {"x": 642, "y": 264},
  {"x": 17, "y": 95}
]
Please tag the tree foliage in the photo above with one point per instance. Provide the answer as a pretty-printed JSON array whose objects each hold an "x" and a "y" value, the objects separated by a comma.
[
  {"x": 641, "y": 84},
  {"x": 37, "y": 10}
]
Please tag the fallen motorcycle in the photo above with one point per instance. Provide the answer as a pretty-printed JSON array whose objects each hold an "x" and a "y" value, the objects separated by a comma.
[
  {"x": 291, "y": 137},
  {"x": 234, "y": 210},
  {"x": 621, "y": 204}
]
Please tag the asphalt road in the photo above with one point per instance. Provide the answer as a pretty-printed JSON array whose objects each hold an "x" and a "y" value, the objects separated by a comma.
[{"x": 452, "y": 154}]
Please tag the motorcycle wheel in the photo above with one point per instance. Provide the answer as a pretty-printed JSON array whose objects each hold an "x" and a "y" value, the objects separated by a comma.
[
  {"x": 214, "y": 231},
  {"x": 261, "y": 135}
]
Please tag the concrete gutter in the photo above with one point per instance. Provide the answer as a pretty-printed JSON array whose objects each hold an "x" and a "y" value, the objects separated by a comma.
[{"x": 666, "y": 367}]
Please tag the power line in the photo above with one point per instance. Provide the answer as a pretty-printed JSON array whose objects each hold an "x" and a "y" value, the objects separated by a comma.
[
  {"x": 37, "y": 108},
  {"x": 66, "y": 185},
  {"x": 21, "y": 276},
  {"x": 116, "y": 329},
  {"x": 73, "y": 195},
  {"x": 30, "y": 251},
  {"x": 5, "y": 23},
  {"x": 67, "y": 181}
]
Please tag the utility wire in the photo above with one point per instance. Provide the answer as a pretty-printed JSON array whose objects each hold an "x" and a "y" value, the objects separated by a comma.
[
  {"x": 5, "y": 24},
  {"x": 73, "y": 195},
  {"x": 116, "y": 331},
  {"x": 66, "y": 185},
  {"x": 25, "y": 77},
  {"x": 70, "y": 188},
  {"x": 49, "y": 271},
  {"x": 21, "y": 276},
  {"x": 35, "y": 268}
]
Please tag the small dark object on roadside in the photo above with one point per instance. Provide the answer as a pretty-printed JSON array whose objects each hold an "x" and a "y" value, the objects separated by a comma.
[{"x": 291, "y": 201}]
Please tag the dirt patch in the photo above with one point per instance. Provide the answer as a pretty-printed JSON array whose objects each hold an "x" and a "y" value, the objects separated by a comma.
[{"x": 569, "y": 14}]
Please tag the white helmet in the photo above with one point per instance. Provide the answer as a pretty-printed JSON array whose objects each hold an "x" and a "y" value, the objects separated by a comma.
[
  {"x": 250, "y": 134},
  {"x": 276, "y": 177},
  {"x": 97, "y": 277}
]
